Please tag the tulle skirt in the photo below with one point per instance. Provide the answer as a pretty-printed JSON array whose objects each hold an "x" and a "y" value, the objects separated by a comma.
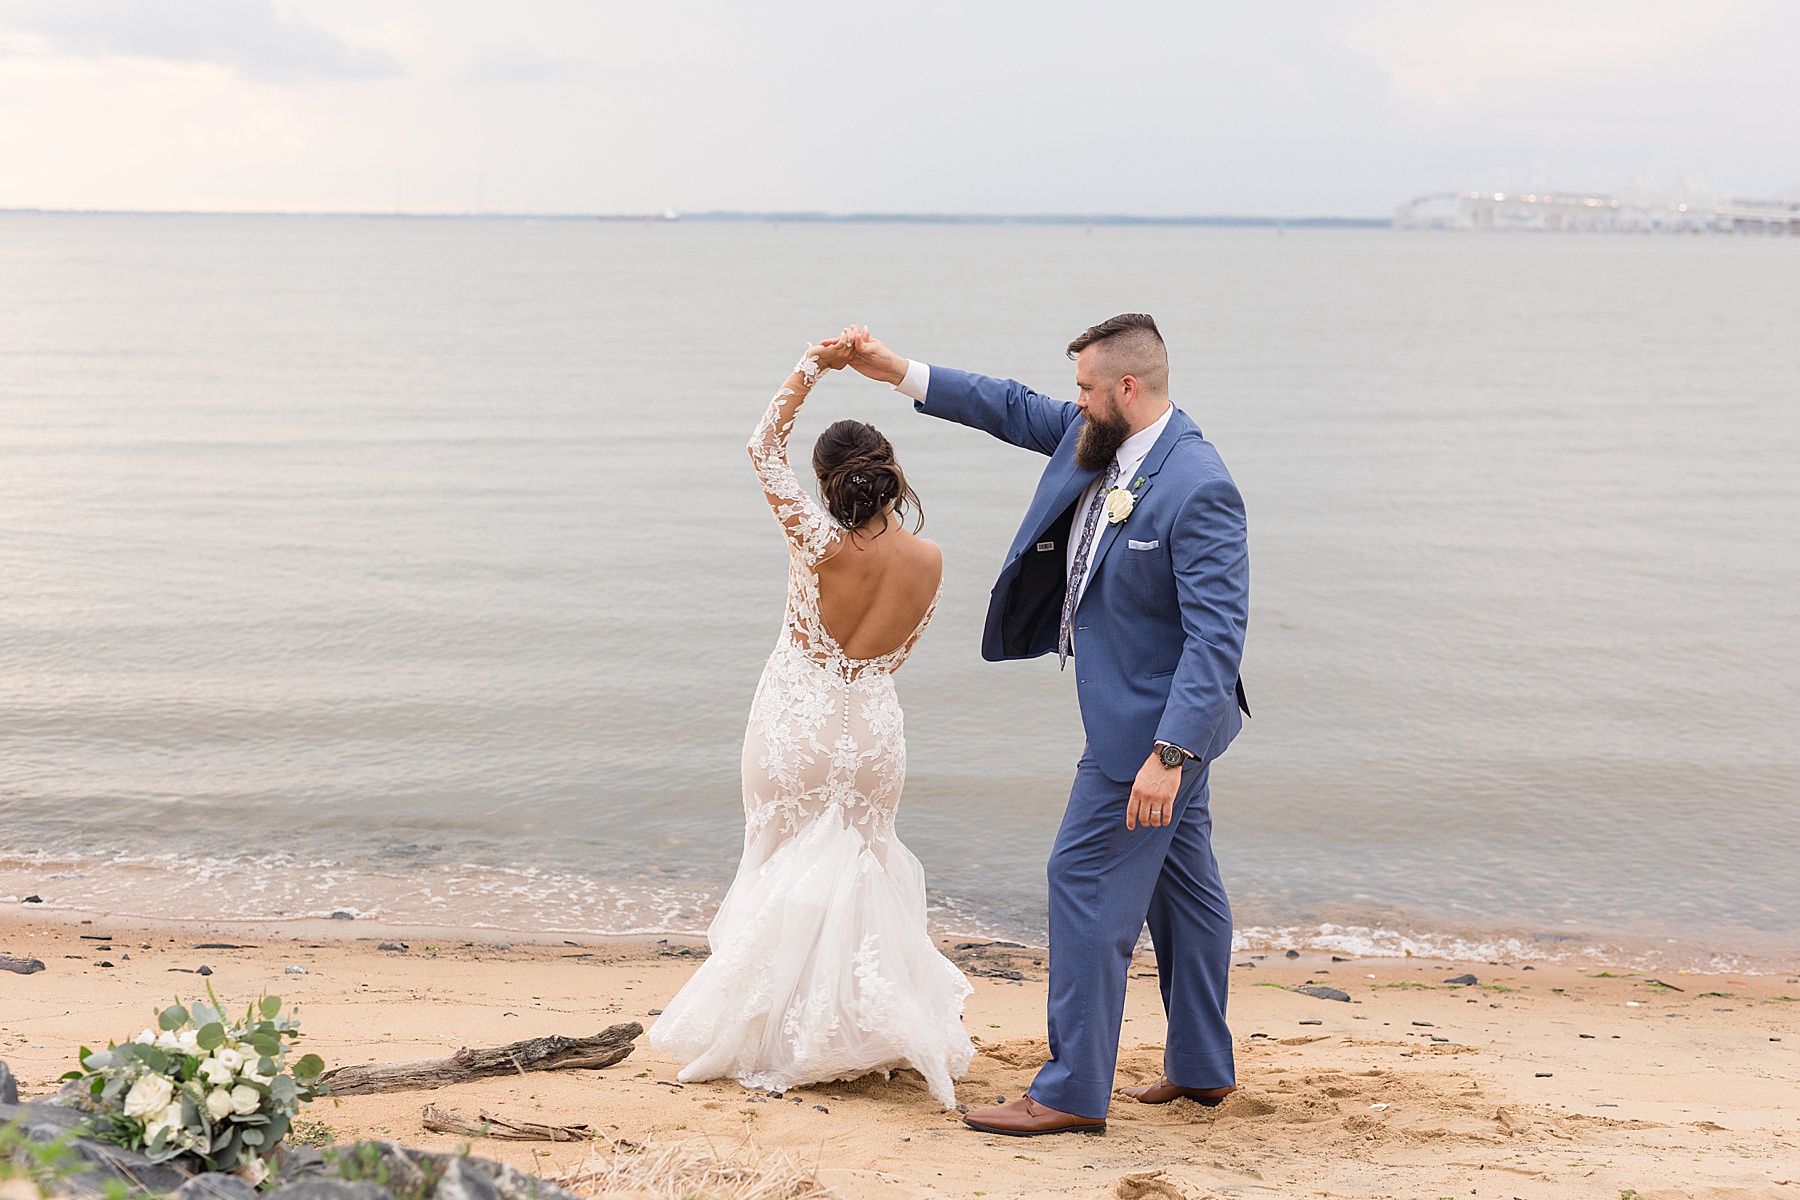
[{"x": 822, "y": 969}]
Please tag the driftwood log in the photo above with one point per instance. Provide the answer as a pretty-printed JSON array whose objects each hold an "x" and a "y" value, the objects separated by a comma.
[
  {"x": 442, "y": 1120},
  {"x": 535, "y": 1054}
]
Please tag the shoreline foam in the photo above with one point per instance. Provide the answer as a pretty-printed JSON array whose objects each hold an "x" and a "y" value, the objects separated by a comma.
[{"x": 533, "y": 904}]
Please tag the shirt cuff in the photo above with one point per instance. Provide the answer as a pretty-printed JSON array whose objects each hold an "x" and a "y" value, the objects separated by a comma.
[{"x": 917, "y": 381}]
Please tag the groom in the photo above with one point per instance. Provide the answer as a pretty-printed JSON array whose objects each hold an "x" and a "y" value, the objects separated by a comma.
[{"x": 1132, "y": 563}]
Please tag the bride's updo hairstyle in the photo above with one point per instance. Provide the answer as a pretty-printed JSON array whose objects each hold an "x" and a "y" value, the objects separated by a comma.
[{"x": 859, "y": 476}]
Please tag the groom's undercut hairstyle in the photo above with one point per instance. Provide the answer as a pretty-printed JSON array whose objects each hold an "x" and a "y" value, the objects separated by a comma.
[{"x": 1130, "y": 344}]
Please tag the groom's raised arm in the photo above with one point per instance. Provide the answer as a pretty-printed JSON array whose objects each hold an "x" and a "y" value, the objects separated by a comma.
[{"x": 1005, "y": 408}]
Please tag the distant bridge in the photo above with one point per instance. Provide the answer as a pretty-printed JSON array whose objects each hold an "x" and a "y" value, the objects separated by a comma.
[{"x": 1553, "y": 212}]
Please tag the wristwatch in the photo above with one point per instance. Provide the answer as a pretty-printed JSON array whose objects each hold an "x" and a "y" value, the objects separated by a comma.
[{"x": 1171, "y": 755}]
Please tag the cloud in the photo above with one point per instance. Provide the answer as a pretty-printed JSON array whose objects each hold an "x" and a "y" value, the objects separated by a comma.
[
  {"x": 515, "y": 64},
  {"x": 248, "y": 36}
]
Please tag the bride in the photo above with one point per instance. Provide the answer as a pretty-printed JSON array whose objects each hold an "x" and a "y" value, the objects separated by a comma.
[{"x": 821, "y": 966}]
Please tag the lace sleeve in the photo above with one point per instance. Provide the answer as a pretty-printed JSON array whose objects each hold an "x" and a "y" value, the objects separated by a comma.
[{"x": 811, "y": 532}]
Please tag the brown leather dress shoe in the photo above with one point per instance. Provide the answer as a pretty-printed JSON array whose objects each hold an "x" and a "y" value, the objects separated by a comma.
[
  {"x": 1162, "y": 1091},
  {"x": 1025, "y": 1117}
]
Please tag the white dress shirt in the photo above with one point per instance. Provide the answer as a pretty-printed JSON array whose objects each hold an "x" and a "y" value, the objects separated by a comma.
[{"x": 1130, "y": 457}]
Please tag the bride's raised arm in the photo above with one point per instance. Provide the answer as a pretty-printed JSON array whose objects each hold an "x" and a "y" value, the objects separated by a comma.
[{"x": 811, "y": 531}]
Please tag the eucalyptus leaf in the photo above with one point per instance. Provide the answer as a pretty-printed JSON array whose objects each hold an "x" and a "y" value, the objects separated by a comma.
[
  {"x": 270, "y": 1006},
  {"x": 251, "y": 1137},
  {"x": 309, "y": 1068},
  {"x": 172, "y": 1018},
  {"x": 211, "y": 1036},
  {"x": 203, "y": 1014}
]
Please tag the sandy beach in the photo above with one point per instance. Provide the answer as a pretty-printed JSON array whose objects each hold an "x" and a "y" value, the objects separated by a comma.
[{"x": 1539, "y": 1081}]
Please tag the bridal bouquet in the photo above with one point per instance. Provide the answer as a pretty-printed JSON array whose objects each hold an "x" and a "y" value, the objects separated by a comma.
[{"x": 199, "y": 1084}]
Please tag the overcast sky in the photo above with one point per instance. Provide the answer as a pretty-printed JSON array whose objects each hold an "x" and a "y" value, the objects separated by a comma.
[{"x": 1005, "y": 106}]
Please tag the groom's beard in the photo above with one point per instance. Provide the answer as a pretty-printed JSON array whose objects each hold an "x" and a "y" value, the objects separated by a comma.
[{"x": 1101, "y": 438}]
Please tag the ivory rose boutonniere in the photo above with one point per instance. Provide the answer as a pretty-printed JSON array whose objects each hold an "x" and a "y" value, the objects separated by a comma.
[{"x": 1119, "y": 504}]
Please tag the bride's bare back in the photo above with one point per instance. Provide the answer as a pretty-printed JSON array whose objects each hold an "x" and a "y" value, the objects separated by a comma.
[
  {"x": 858, "y": 597},
  {"x": 878, "y": 586}
]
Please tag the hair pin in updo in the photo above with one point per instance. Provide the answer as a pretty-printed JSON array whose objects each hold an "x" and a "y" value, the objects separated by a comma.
[{"x": 859, "y": 479}]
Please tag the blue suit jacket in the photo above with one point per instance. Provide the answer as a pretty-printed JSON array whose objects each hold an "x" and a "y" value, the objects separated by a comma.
[{"x": 1160, "y": 630}]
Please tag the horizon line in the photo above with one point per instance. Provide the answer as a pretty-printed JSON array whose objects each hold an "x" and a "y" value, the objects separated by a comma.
[{"x": 673, "y": 217}]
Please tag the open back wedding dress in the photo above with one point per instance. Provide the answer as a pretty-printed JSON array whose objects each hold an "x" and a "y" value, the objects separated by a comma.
[{"x": 821, "y": 965}]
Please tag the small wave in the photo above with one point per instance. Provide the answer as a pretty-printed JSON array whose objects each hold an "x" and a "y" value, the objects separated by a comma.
[
  {"x": 1377, "y": 941},
  {"x": 524, "y": 899}
]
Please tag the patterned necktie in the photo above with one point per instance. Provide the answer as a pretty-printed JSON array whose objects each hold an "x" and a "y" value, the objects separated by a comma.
[{"x": 1065, "y": 638}]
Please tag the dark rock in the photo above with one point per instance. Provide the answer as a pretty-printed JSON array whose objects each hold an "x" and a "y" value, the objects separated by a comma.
[
  {"x": 341, "y": 915},
  {"x": 678, "y": 952},
  {"x": 331, "y": 1189},
  {"x": 9, "y": 1087},
  {"x": 1424, "y": 1024},
  {"x": 656, "y": 1012},
  {"x": 42, "y": 1121},
  {"x": 1320, "y": 991},
  {"x": 21, "y": 966},
  {"x": 463, "y": 1182},
  {"x": 1335, "y": 958},
  {"x": 1462, "y": 981},
  {"x": 1544, "y": 1074},
  {"x": 1293, "y": 954},
  {"x": 301, "y": 1162},
  {"x": 218, "y": 946},
  {"x": 397, "y": 947},
  {"x": 510, "y": 1182},
  {"x": 32, "y": 900},
  {"x": 127, "y": 1166},
  {"x": 1312, "y": 1022},
  {"x": 823, "y": 1109},
  {"x": 214, "y": 1185}
]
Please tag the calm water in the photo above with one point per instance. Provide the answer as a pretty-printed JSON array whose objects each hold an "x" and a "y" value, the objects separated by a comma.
[{"x": 414, "y": 568}]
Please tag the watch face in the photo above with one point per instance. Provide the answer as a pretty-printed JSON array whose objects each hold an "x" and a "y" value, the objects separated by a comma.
[{"x": 1172, "y": 756}]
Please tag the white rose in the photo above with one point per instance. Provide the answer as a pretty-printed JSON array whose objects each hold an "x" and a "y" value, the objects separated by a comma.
[
  {"x": 189, "y": 1041},
  {"x": 166, "y": 1121},
  {"x": 217, "y": 1073},
  {"x": 148, "y": 1096},
  {"x": 245, "y": 1099},
  {"x": 233, "y": 1059},
  {"x": 1119, "y": 504},
  {"x": 146, "y": 1038},
  {"x": 168, "y": 1041},
  {"x": 218, "y": 1104}
]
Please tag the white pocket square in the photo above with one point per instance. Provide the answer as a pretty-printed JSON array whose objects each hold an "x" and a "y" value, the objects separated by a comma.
[{"x": 1135, "y": 545}]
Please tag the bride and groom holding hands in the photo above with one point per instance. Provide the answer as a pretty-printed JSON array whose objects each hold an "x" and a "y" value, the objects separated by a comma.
[{"x": 1132, "y": 565}]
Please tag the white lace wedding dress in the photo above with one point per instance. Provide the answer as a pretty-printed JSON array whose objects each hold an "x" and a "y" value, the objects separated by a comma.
[{"x": 821, "y": 965}]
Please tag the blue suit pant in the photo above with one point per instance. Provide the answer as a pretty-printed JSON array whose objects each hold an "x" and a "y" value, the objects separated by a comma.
[{"x": 1106, "y": 882}]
